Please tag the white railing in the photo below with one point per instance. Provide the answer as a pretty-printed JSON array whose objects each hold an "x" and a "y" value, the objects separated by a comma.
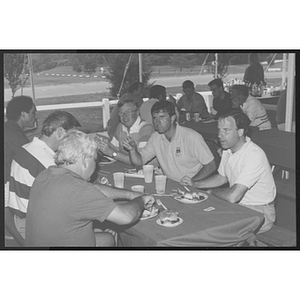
[{"x": 106, "y": 103}]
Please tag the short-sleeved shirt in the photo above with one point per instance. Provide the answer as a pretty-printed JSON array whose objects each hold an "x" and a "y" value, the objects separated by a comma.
[
  {"x": 61, "y": 208},
  {"x": 250, "y": 167},
  {"x": 29, "y": 161},
  {"x": 114, "y": 120},
  {"x": 184, "y": 155},
  {"x": 140, "y": 132},
  {"x": 257, "y": 113},
  {"x": 14, "y": 139},
  {"x": 222, "y": 106},
  {"x": 194, "y": 105},
  {"x": 145, "y": 110}
]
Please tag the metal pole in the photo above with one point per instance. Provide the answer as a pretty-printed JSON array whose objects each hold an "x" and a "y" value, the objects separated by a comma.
[
  {"x": 283, "y": 70},
  {"x": 203, "y": 64},
  {"x": 290, "y": 95},
  {"x": 140, "y": 68},
  {"x": 216, "y": 65},
  {"x": 31, "y": 77}
]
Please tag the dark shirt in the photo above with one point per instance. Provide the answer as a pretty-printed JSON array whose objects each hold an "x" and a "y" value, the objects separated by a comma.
[
  {"x": 254, "y": 73},
  {"x": 14, "y": 139},
  {"x": 222, "y": 106}
]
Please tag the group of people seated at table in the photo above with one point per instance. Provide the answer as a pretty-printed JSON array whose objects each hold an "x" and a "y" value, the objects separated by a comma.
[{"x": 49, "y": 200}]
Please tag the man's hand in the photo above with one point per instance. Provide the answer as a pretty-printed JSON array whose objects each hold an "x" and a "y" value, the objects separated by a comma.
[
  {"x": 186, "y": 180},
  {"x": 104, "y": 147},
  {"x": 129, "y": 144},
  {"x": 149, "y": 201}
]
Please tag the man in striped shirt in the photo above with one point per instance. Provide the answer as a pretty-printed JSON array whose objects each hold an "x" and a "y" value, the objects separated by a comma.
[
  {"x": 131, "y": 125},
  {"x": 251, "y": 106},
  {"x": 28, "y": 162}
]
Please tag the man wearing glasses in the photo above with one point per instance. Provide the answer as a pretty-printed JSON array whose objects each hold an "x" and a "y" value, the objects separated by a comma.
[{"x": 131, "y": 125}]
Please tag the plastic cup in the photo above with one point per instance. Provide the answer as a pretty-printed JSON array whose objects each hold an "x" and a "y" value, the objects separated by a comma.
[
  {"x": 160, "y": 183},
  {"x": 138, "y": 188},
  {"x": 148, "y": 173},
  {"x": 196, "y": 117},
  {"x": 119, "y": 179}
]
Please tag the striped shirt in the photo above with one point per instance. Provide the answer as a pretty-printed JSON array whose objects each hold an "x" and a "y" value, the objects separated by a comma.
[
  {"x": 29, "y": 161},
  {"x": 140, "y": 132},
  {"x": 257, "y": 113}
]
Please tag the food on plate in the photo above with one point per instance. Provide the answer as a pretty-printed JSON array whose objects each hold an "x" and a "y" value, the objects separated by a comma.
[
  {"x": 168, "y": 216},
  {"x": 186, "y": 196},
  {"x": 147, "y": 213},
  {"x": 134, "y": 171}
]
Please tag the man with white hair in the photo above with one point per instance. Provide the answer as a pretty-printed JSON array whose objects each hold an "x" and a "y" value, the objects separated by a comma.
[{"x": 63, "y": 204}]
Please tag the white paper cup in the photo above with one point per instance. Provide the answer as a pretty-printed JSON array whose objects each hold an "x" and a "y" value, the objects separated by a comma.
[
  {"x": 148, "y": 173},
  {"x": 196, "y": 117},
  {"x": 138, "y": 188},
  {"x": 160, "y": 183},
  {"x": 119, "y": 179}
]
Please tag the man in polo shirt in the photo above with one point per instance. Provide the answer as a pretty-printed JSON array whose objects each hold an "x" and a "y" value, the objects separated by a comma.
[
  {"x": 29, "y": 161},
  {"x": 251, "y": 106},
  {"x": 180, "y": 151},
  {"x": 63, "y": 204},
  {"x": 245, "y": 166},
  {"x": 131, "y": 125},
  {"x": 135, "y": 91}
]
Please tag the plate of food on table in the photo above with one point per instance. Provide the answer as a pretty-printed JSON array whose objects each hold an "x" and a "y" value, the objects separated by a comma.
[
  {"x": 169, "y": 218},
  {"x": 188, "y": 197},
  {"x": 149, "y": 214}
]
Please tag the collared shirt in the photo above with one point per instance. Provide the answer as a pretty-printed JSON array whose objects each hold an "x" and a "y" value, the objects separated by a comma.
[
  {"x": 114, "y": 120},
  {"x": 194, "y": 105},
  {"x": 62, "y": 206},
  {"x": 14, "y": 139},
  {"x": 184, "y": 155},
  {"x": 257, "y": 113},
  {"x": 29, "y": 161},
  {"x": 140, "y": 132},
  {"x": 250, "y": 167}
]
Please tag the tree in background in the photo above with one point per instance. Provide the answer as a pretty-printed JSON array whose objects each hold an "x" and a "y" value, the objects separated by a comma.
[
  {"x": 90, "y": 63},
  {"x": 13, "y": 70},
  {"x": 117, "y": 66},
  {"x": 183, "y": 60},
  {"x": 222, "y": 64}
]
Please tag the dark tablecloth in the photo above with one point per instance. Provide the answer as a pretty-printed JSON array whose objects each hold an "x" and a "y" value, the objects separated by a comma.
[{"x": 227, "y": 225}]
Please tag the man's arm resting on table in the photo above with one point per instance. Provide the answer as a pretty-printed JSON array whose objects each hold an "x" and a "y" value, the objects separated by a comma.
[
  {"x": 11, "y": 227},
  {"x": 232, "y": 194},
  {"x": 206, "y": 171},
  {"x": 127, "y": 213},
  {"x": 114, "y": 193}
]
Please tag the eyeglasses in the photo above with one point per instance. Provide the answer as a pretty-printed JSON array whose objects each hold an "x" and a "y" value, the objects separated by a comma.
[{"x": 126, "y": 113}]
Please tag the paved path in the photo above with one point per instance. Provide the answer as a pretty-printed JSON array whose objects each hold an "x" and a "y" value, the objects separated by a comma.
[{"x": 100, "y": 87}]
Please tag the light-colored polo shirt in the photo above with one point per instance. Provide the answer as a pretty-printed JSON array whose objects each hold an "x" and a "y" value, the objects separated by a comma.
[
  {"x": 140, "y": 132},
  {"x": 184, "y": 155},
  {"x": 250, "y": 167}
]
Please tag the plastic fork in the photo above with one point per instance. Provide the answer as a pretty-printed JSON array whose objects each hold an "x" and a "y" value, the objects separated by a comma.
[{"x": 161, "y": 204}]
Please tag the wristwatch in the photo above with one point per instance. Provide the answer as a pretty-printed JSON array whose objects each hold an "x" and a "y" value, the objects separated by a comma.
[{"x": 114, "y": 154}]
